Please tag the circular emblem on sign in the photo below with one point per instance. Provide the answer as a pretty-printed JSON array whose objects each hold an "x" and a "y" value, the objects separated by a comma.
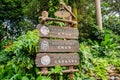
[
  {"x": 44, "y": 45},
  {"x": 44, "y": 30},
  {"x": 45, "y": 60}
]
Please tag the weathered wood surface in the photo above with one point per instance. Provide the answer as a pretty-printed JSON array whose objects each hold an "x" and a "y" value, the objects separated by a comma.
[
  {"x": 54, "y": 59},
  {"x": 58, "y": 32},
  {"x": 66, "y": 8},
  {"x": 46, "y": 45},
  {"x": 62, "y": 14}
]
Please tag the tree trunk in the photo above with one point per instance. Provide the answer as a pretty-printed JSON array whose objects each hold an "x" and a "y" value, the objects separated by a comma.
[
  {"x": 98, "y": 14},
  {"x": 75, "y": 12}
]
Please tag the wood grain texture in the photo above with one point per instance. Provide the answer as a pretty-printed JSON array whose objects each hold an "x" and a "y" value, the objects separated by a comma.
[
  {"x": 46, "y": 45},
  {"x": 58, "y": 32},
  {"x": 54, "y": 59}
]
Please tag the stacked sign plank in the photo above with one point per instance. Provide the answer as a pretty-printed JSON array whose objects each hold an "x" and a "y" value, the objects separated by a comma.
[{"x": 61, "y": 49}]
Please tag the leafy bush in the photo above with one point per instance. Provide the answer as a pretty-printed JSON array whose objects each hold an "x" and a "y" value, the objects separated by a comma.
[
  {"x": 90, "y": 32},
  {"x": 107, "y": 46},
  {"x": 112, "y": 23},
  {"x": 90, "y": 67},
  {"x": 100, "y": 68},
  {"x": 86, "y": 62},
  {"x": 17, "y": 60},
  {"x": 95, "y": 57}
]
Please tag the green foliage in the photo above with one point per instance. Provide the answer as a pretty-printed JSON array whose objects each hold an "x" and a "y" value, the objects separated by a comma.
[
  {"x": 90, "y": 67},
  {"x": 17, "y": 61},
  {"x": 43, "y": 78},
  {"x": 115, "y": 62},
  {"x": 55, "y": 71},
  {"x": 25, "y": 25},
  {"x": 15, "y": 14},
  {"x": 96, "y": 54},
  {"x": 112, "y": 23},
  {"x": 100, "y": 68},
  {"x": 56, "y": 23},
  {"x": 92, "y": 32},
  {"x": 111, "y": 17},
  {"x": 28, "y": 42},
  {"x": 110, "y": 6},
  {"x": 10, "y": 9},
  {"x": 95, "y": 57},
  {"x": 86, "y": 66},
  {"x": 107, "y": 46},
  {"x": 53, "y": 6}
]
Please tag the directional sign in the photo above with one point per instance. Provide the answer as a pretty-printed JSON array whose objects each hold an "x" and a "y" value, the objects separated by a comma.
[
  {"x": 46, "y": 45},
  {"x": 54, "y": 59},
  {"x": 58, "y": 32}
]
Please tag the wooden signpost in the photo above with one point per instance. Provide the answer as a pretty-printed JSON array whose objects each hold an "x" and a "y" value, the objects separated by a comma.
[{"x": 62, "y": 49}]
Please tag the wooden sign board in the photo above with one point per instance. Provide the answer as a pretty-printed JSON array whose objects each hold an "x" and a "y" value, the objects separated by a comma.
[
  {"x": 46, "y": 45},
  {"x": 58, "y": 32},
  {"x": 54, "y": 59}
]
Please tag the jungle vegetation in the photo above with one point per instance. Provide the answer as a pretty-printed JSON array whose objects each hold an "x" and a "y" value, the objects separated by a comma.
[{"x": 99, "y": 49}]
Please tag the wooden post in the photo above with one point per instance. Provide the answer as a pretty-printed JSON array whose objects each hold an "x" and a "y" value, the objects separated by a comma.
[
  {"x": 69, "y": 25},
  {"x": 44, "y": 16},
  {"x": 71, "y": 74},
  {"x": 44, "y": 71},
  {"x": 98, "y": 13}
]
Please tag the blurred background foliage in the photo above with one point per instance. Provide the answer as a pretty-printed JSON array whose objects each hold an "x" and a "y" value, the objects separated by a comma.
[{"x": 99, "y": 49}]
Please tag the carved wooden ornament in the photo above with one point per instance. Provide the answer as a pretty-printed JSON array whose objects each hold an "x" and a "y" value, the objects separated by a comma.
[{"x": 62, "y": 14}]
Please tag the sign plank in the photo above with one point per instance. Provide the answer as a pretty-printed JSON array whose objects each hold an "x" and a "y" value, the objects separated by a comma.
[
  {"x": 58, "y": 32},
  {"x": 54, "y": 59},
  {"x": 46, "y": 45}
]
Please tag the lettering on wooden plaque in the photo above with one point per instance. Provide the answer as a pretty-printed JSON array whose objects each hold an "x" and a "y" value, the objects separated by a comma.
[
  {"x": 58, "y": 32},
  {"x": 46, "y": 45},
  {"x": 54, "y": 59}
]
